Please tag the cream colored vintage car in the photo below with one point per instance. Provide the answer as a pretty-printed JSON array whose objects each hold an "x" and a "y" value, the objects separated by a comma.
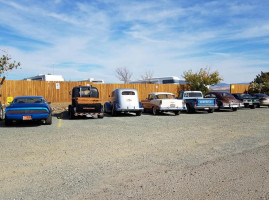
[{"x": 163, "y": 102}]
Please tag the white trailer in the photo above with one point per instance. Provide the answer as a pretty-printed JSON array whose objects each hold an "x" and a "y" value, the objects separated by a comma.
[{"x": 45, "y": 77}]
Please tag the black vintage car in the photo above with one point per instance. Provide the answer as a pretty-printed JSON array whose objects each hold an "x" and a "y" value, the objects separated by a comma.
[
  {"x": 85, "y": 102},
  {"x": 247, "y": 100}
]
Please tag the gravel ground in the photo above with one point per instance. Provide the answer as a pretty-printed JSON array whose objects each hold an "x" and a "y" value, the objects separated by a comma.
[{"x": 224, "y": 155}]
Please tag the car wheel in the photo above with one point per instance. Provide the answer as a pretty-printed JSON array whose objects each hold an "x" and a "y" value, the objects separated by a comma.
[
  {"x": 154, "y": 111},
  {"x": 71, "y": 112},
  {"x": 49, "y": 120},
  {"x": 8, "y": 122},
  {"x": 210, "y": 110},
  {"x": 258, "y": 106},
  {"x": 234, "y": 109},
  {"x": 252, "y": 107},
  {"x": 138, "y": 113},
  {"x": 177, "y": 112},
  {"x": 189, "y": 109},
  {"x": 113, "y": 112},
  {"x": 1, "y": 114}
]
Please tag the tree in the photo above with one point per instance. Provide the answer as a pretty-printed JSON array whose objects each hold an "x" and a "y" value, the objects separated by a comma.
[
  {"x": 202, "y": 79},
  {"x": 147, "y": 76},
  {"x": 260, "y": 83},
  {"x": 6, "y": 63},
  {"x": 123, "y": 74}
]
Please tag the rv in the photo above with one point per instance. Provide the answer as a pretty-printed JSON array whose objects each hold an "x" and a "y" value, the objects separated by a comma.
[
  {"x": 43, "y": 77},
  {"x": 161, "y": 80}
]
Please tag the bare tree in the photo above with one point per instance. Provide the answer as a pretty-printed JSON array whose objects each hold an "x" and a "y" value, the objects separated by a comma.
[
  {"x": 147, "y": 76},
  {"x": 123, "y": 74}
]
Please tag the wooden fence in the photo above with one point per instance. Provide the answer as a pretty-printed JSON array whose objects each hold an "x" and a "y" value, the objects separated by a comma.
[
  {"x": 237, "y": 88},
  {"x": 59, "y": 91}
]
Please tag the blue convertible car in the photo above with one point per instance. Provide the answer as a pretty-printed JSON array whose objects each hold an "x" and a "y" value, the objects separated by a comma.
[{"x": 25, "y": 108}]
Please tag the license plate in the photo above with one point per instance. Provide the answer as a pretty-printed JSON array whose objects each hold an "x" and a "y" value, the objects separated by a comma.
[
  {"x": 206, "y": 108},
  {"x": 172, "y": 105},
  {"x": 234, "y": 106},
  {"x": 26, "y": 117}
]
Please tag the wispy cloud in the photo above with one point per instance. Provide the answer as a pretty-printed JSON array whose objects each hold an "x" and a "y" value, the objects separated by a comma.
[{"x": 165, "y": 36}]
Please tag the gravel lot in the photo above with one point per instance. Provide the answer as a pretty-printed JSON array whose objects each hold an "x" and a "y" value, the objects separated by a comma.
[{"x": 224, "y": 155}]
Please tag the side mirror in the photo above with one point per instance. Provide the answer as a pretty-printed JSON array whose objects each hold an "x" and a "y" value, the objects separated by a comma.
[{"x": 70, "y": 93}]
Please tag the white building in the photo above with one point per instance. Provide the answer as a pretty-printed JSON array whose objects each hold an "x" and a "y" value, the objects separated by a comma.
[
  {"x": 43, "y": 77},
  {"x": 162, "y": 80}
]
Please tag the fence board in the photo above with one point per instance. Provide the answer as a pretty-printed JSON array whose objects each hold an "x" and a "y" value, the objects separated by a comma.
[
  {"x": 48, "y": 90},
  {"x": 238, "y": 88}
]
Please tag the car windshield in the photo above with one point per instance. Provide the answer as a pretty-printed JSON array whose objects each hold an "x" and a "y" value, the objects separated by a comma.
[
  {"x": 225, "y": 94},
  {"x": 247, "y": 96},
  {"x": 165, "y": 96},
  {"x": 262, "y": 95},
  {"x": 193, "y": 94},
  {"x": 28, "y": 100}
]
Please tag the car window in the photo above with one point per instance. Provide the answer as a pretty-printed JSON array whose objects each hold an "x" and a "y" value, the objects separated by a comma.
[
  {"x": 128, "y": 93},
  {"x": 194, "y": 94},
  {"x": 165, "y": 96},
  {"x": 150, "y": 96},
  {"x": 29, "y": 100}
]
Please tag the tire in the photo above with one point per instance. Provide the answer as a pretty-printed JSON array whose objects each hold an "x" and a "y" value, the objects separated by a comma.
[
  {"x": 210, "y": 111},
  {"x": 177, "y": 112},
  {"x": 113, "y": 112},
  {"x": 258, "y": 106},
  {"x": 252, "y": 107},
  {"x": 71, "y": 112},
  {"x": 234, "y": 109},
  {"x": 100, "y": 116},
  {"x": 1, "y": 113},
  {"x": 49, "y": 120},
  {"x": 138, "y": 113},
  {"x": 154, "y": 111},
  {"x": 8, "y": 122},
  {"x": 189, "y": 109}
]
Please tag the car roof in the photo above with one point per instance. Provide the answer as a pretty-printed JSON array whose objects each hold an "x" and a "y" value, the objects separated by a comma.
[
  {"x": 156, "y": 93},
  {"x": 125, "y": 89},
  {"x": 25, "y": 97}
]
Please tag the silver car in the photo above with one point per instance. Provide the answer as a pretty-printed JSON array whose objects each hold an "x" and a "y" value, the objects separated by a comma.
[
  {"x": 124, "y": 100},
  {"x": 264, "y": 99}
]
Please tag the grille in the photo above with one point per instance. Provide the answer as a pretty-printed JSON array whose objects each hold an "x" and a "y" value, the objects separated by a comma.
[{"x": 27, "y": 111}]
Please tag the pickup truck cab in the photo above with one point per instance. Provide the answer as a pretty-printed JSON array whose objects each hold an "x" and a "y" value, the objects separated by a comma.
[
  {"x": 124, "y": 101},
  {"x": 194, "y": 101},
  {"x": 163, "y": 102}
]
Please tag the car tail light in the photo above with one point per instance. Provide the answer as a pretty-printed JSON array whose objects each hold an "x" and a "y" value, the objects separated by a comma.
[{"x": 263, "y": 99}]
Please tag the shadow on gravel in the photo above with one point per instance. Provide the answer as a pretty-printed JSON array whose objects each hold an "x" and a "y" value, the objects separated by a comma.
[{"x": 21, "y": 124}]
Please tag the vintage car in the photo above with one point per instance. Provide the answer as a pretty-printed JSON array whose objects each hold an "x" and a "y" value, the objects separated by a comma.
[
  {"x": 225, "y": 100},
  {"x": 248, "y": 101},
  {"x": 124, "y": 101},
  {"x": 85, "y": 102},
  {"x": 194, "y": 101},
  {"x": 263, "y": 98},
  {"x": 28, "y": 108},
  {"x": 163, "y": 102}
]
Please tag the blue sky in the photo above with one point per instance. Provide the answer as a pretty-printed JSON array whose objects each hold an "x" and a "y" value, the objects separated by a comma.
[{"x": 90, "y": 38}]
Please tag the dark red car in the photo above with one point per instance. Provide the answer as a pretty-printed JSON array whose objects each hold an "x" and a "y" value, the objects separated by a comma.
[{"x": 225, "y": 100}]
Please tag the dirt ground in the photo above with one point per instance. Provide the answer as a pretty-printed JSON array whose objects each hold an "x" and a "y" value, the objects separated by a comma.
[{"x": 224, "y": 155}]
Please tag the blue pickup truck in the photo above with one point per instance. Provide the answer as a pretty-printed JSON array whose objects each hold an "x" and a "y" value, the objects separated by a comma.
[{"x": 194, "y": 101}]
